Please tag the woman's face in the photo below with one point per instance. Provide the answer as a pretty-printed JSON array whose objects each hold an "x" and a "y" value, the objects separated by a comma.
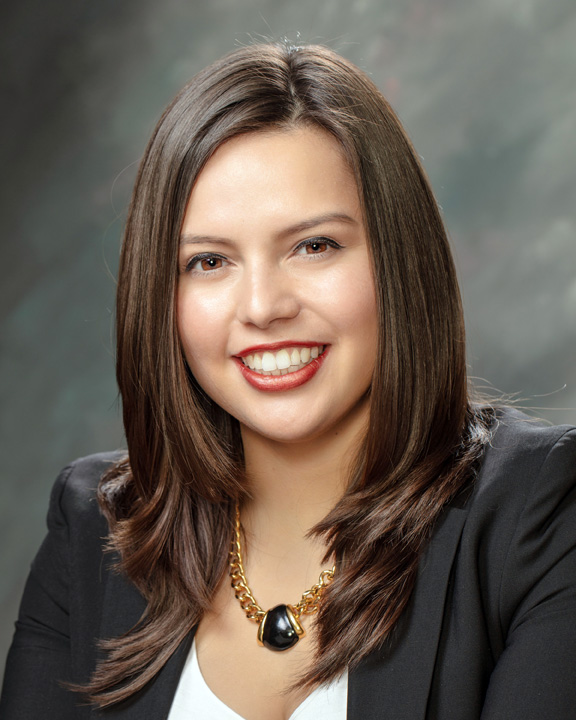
[{"x": 276, "y": 303}]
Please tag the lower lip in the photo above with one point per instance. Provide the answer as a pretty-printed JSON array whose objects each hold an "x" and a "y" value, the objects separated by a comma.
[{"x": 280, "y": 383}]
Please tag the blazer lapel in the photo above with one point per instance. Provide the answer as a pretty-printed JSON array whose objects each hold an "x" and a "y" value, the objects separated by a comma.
[
  {"x": 123, "y": 607},
  {"x": 394, "y": 683}
]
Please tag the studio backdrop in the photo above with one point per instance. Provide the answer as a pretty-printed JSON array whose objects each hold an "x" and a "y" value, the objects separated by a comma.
[{"x": 485, "y": 89}]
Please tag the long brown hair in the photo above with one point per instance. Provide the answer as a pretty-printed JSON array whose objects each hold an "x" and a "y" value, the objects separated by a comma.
[{"x": 170, "y": 504}]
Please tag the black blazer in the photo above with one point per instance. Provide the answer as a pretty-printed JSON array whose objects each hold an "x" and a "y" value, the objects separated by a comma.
[{"x": 490, "y": 631}]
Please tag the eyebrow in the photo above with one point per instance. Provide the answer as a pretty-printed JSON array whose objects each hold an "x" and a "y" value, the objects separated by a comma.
[{"x": 191, "y": 239}]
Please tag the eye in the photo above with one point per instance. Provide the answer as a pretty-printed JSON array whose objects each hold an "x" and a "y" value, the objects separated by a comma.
[
  {"x": 204, "y": 263},
  {"x": 317, "y": 246}
]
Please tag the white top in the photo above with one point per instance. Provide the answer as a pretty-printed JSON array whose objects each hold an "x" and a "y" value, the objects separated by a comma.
[{"x": 195, "y": 699}]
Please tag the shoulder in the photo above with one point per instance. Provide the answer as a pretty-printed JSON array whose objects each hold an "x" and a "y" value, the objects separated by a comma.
[
  {"x": 522, "y": 451},
  {"x": 72, "y": 553},
  {"x": 74, "y": 494},
  {"x": 519, "y": 532},
  {"x": 526, "y": 487}
]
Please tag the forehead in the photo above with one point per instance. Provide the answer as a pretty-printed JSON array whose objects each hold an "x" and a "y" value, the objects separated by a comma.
[{"x": 279, "y": 175}]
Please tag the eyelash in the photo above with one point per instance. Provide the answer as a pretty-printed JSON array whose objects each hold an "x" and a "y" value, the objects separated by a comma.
[
  {"x": 189, "y": 267},
  {"x": 320, "y": 240},
  {"x": 332, "y": 244}
]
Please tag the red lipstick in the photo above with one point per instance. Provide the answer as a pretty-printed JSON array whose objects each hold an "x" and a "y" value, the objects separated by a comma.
[{"x": 281, "y": 383}]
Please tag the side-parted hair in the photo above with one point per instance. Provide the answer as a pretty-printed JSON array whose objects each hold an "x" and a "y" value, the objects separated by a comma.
[{"x": 170, "y": 505}]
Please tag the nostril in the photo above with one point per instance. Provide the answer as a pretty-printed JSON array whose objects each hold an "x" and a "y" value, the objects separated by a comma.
[{"x": 261, "y": 310}]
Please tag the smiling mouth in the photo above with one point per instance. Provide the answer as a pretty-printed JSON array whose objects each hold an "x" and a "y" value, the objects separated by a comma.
[{"x": 283, "y": 362}]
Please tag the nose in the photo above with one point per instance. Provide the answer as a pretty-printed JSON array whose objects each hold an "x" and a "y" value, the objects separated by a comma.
[{"x": 266, "y": 295}]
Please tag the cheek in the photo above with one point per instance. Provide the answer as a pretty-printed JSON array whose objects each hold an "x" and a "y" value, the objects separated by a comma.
[
  {"x": 359, "y": 323},
  {"x": 199, "y": 329},
  {"x": 352, "y": 297},
  {"x": 363, "y": 326}
]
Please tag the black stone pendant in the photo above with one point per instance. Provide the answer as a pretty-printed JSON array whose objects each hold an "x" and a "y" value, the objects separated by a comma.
[{"x": 280, "y": 629}]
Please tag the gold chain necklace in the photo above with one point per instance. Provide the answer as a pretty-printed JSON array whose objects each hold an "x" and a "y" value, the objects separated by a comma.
[{"x": 278, "y": 628}]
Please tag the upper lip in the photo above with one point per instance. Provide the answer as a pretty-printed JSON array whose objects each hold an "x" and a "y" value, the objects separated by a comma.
[{"x": 274, "y": 347}]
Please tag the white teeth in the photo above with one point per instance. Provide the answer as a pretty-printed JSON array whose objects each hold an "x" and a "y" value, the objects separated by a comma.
[
  {"x": 283, "y": 362},
  {"x": 269, "y": 362}
]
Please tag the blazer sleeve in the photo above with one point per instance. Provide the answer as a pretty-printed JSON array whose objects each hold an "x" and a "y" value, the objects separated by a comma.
[
  {"x": 535, "y": 676},
  {"x": 48, "y": 650}
]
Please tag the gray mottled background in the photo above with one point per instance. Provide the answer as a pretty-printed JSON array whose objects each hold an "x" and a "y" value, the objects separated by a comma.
[{"x": 486, "y": 90}]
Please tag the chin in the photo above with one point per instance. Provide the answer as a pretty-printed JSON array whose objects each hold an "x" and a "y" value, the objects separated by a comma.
[
  {"x": 282, "y": 435},
  {"x": 285, "y": 431},
  {"x": 294, "y": 433}
]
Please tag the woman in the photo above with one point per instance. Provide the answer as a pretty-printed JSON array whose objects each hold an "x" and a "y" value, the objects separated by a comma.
[{"x": 292, "y": 368}]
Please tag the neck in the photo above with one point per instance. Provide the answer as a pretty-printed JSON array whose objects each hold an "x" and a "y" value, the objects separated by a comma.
[
  {"x": 295, "y": 485},
  {"x": 292, "y": 487}
]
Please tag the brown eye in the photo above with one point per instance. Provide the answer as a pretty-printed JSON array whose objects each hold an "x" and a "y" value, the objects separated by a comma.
[
  {"x": 211, "y": 263},
  {"x": 205, "y": 264},
  {"x": 316, "y": 247}
]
